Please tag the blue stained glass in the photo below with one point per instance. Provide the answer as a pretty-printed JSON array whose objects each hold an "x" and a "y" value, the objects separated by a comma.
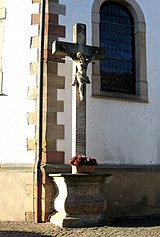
[
  {"x": 118, "y": 45},
  {"x": 116, "y": 14},
  {"x": 117, "y": 37}
]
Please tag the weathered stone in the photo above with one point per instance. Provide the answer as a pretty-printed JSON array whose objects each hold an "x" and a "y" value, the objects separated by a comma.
[
  {"x": 57, "y": 130},
  {"x": 53, "y": 157},
  {"x": 51, "y": 18},
  {"x": 35, "y": 18},
  {"x": 31, "y": 144},
  {"x": 2, "y": 13},
  {"x": 51, "y": 83},
  {"x": 48, "y": 56},
  {"x": 56, "y": 8},
  {"x": 79, "y": 109},
  {"x": 55, "y": 81},
  {"x": 50, "y": 67},
  {"x": 54, "y": 30},
  {"x": 36, "y": 1},
  {"x": 32, "y": 93},
  {"x": 48, "y": 40},
  {"x": 34, "y": 42},
  {"x": 32, "y": 118},
  {"x": 80, "y": 202},
  {"x": 54, "y": 106},
  {"x": 34, "y": 68},
  {"x": 51, "y": 144}
]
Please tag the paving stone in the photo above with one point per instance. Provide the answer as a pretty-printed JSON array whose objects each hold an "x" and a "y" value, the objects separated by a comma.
[{"x": 141, "y": 228}]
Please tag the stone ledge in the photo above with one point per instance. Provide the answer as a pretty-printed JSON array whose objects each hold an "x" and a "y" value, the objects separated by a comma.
[
  {"x": 57, "y": 168},
  {"x": 118, "y": 96},
  {"x": 108, "y": 168},
  {"x": 18, "y": 167}
]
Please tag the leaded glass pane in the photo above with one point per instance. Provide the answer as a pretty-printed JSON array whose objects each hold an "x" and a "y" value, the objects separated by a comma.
[
  {"x": 117, "y": 37},
  {"x": 115, "y": 13}
]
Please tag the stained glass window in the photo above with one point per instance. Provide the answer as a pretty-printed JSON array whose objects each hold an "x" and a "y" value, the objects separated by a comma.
[{"x": 117, "y": 37}]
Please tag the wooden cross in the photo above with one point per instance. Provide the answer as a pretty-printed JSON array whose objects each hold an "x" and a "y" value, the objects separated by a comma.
[{"x": 63, "y": 49}]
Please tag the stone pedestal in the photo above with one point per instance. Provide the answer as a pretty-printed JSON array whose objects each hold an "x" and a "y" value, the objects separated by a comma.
[{"x": 79, "y": 201}]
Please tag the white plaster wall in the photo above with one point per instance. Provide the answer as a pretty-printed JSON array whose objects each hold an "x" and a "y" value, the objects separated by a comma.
[
  {"x": 17, "y": 56},
  {"x": 118, "y": 131}
]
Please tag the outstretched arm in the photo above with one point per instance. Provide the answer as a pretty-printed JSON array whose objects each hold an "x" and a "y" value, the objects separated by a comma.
[{"x": 92, "y": 58}]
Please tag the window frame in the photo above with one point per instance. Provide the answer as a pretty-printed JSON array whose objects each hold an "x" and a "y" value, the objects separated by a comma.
[{"x": 141, "y": 84}]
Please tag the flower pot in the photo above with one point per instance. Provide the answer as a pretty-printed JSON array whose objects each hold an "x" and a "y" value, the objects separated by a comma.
[{"x": 85, "y": 169}]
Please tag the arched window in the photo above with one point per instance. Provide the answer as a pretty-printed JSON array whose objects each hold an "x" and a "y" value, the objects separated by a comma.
[
  {"x": 119, "y": 27},
  {"x": 117, "y": 37}
]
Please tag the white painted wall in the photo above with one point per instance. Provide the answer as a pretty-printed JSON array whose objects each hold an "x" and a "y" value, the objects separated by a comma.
[
  {"x": 117, "y": 131},
  {"x": 17, "y": 56}
]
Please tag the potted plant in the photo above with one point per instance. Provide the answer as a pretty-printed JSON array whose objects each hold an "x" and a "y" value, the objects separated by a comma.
[{"x": 83, "y": 164}]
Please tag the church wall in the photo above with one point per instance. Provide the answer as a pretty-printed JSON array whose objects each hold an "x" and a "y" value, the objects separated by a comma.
[
  {"x": 16, "y": 168},
  {"x": 18, "y": 122},
  {"x": 14, "y": 104},
  {"x": 120, "y": 132},
  {"x": 16, "y": 185},
  {"x": 130, "y": 192}
]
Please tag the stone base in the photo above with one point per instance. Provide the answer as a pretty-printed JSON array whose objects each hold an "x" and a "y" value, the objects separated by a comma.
[
  {"x": 79, "y": 201},
  {"x": 80, "y": 220}
]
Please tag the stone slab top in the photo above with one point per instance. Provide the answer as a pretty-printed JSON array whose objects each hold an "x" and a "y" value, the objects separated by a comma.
[
  {"x": 81, "y": 174},
  {"x": 69, "y": 177},
  {"x": 81, "y": 178}
]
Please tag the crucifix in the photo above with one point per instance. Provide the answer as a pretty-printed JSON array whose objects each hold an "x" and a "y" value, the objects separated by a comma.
[{"x": 82, "y": 55}]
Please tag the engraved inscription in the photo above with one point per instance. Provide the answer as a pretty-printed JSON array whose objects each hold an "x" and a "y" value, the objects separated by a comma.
[
  {"x": 81, "y": 139},
  {"x": 81, "y": 135},
  {"x": 84, "y": 198}
]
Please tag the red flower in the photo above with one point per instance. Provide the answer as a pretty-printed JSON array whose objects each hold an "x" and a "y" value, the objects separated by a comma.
[{"x": 82, "y": 160}]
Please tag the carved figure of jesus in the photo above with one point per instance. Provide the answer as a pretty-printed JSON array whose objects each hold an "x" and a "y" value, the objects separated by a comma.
[{"x": 81, "y": 63}]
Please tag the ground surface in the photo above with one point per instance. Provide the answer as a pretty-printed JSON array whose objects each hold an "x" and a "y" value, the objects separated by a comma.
[{"x": 141, "y": 228}]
